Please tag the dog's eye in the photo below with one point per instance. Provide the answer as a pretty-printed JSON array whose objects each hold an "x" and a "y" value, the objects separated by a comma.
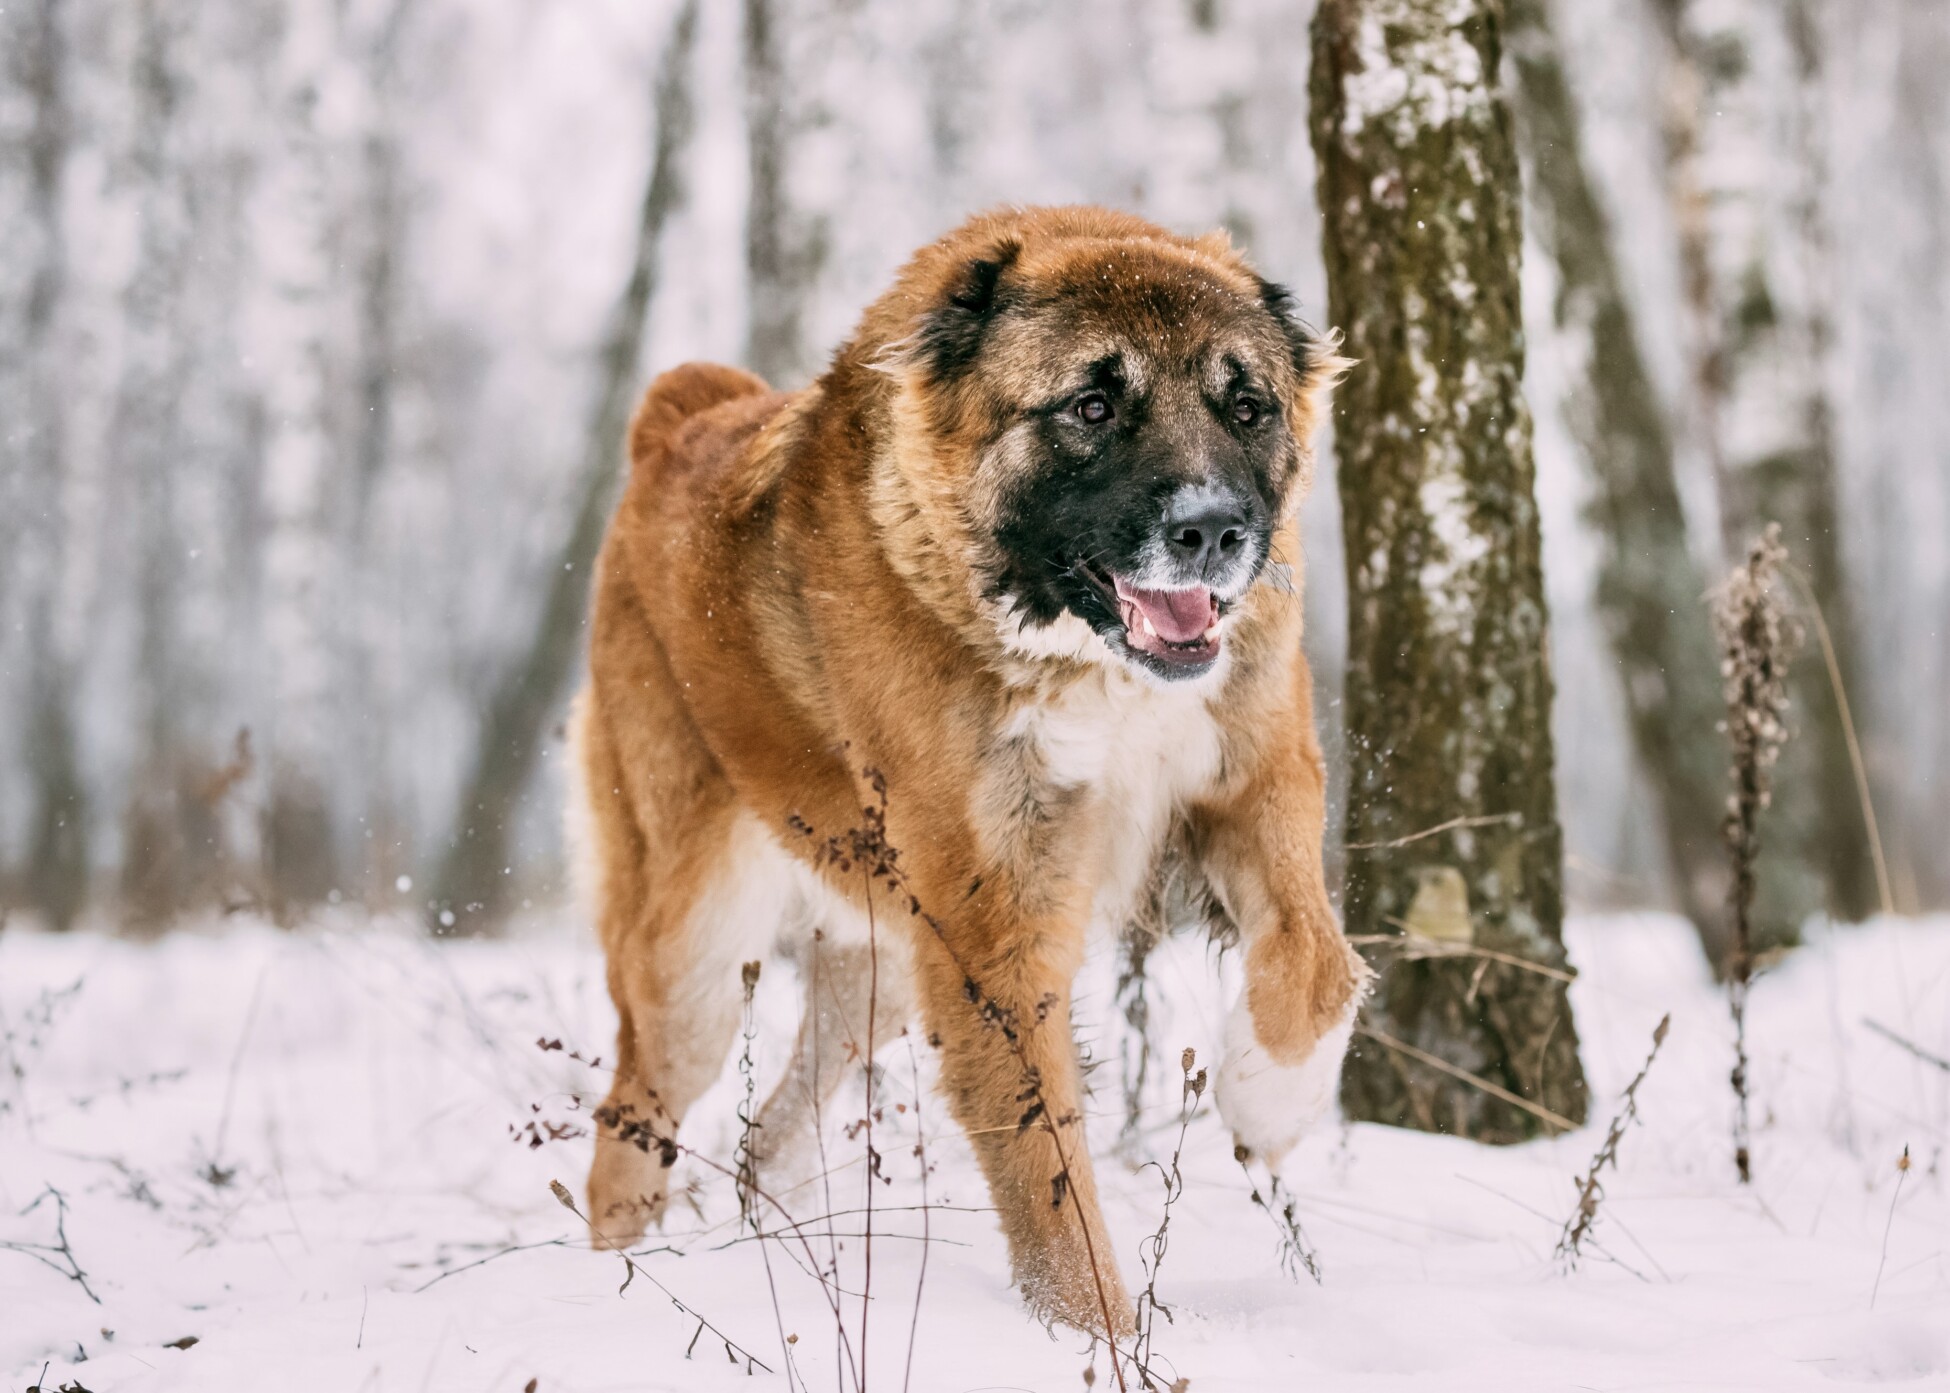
[
  {"x": 1245, "y": 411},
  {"x": 1094, "y": 408}
]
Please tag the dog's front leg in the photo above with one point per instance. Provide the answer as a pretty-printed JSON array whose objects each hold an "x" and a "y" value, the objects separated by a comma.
[
  {"x": 1288, "y": 1032},
  {"x": 998, "y": 1005}
]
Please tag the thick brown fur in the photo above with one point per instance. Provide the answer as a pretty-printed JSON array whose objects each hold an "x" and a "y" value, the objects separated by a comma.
[{"x": 790, "y": 595}]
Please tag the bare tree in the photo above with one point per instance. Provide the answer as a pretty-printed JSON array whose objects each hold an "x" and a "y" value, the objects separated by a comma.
[
  {"x": 302, "y": 542},
  {"x": 56, "y": 880},
  {"x": 1452, "y": 824},
  {"x": 169, "y": 838},
  {"x": 784, "y": 246},
  {"x": 1753, "y": 253},
  {"x": 1649, "y": 588},
  {"x": 471, "y": 883}
]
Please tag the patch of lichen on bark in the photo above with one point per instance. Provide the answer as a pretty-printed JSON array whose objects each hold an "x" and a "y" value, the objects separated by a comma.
[{"x": 1448, "y": 681}]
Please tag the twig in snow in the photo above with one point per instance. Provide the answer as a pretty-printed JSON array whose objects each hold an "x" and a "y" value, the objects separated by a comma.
[
  {"x": 1296, "y": 1252},
  {"x": 746, "y": 1179},
  {"x": 1758, "y": 638},
  {"x": 927, "y": 1228},
  {"x": 58, "y": 1255},
  {"x": 1590, "y": 1191},
  {"x": 1893, "y": 1038},
  {"x": 1152, "y": 1251},
  {"x": 1902, "y": 1174},
  {"x": 866, "y": 846},
  {"x": 742, "y": 1157},
  {"x": 733, "y": 1350},
  {"x": 482, "y": 1262}
]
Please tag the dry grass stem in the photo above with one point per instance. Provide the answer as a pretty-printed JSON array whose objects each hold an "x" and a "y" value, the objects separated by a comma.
[
  {"x": 1590, "y": 1191},
  {"x": 1515, "y": 1100},
  {"x": 927, "y": 1227},
  {"x": 1857, "y": 764},
  {"x": 1453, "y": 824},
  {"x": 1902, "y": 1174},
  {"x": 1151, "y": 1253},
  {"x": 1903, "y": 1043},
  {"x": 58, "y": 1255},
  {"x": 734, "y": 1352},
  {"x": 866, "y": 848},
  {"x": 1296, "y": 1253},
  {"x": 1413, "y": 947}
]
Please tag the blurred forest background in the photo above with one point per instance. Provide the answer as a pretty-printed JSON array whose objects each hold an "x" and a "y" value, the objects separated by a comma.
[{"x": 319, "y": 319}]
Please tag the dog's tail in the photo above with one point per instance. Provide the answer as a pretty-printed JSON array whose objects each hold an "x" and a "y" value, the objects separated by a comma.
[{"x": 673, "y": 399}]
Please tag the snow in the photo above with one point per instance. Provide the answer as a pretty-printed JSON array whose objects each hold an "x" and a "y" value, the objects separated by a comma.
[
  {"x": 354, "y": 1086},
  {"x": 1415, "y": 69}
]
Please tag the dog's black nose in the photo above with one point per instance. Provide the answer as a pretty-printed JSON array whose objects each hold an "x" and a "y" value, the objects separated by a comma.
[{"x": 1205, "y": 533}]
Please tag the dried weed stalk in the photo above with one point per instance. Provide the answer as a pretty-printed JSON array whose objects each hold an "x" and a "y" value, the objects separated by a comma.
[
  {"x": 1152, "y": 1251},
  {"x": 1902, "y": 1174},
  {"x": 865, "y": 848},
  {"x": 735, "y": 1353},
  {"x": 1134, "y": 953},
  {"x": 743, "y": 1163},
  {"x": 1758, "y": 639},
  {"x": 58, "y": 1255},
  {"x": 1297, "y": 1255},
  {"x": 927, "y": 1227},
  {"x": 1591, "y": 1192}
]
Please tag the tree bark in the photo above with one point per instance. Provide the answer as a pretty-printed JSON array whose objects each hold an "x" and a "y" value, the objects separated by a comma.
[
  {"x": 471, "y": 884},
  {"x": 302, "y": 482},
  {"x": 1742, "y": 72},
  {"x": 56, "y": 880},
  {"x": 1452, "y": 828},
  {"x": 170, "y": 853},
  {"x": 1649, "y": 590},
  {"x": 783, "y": 248}
]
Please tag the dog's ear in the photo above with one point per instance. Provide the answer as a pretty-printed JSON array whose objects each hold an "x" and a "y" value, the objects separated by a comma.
[
  {"x": 1317, "y": 363},
  {"x": 951, "y": 333}
]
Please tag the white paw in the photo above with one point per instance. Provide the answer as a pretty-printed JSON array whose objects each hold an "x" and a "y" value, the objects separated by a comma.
[{"x": 1270, "y": 1105}]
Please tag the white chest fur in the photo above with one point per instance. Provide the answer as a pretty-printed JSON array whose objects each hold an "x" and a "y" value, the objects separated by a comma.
[{"x": 1139, "y": 751}]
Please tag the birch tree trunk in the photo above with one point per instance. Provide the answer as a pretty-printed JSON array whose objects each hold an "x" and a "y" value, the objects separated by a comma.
[
  {"x": 35, "y": 450},
  {"x": 784, "y": 247},
  {"x": 1452, "y": 826},
  {"x": 301, "y": 861},
  {"x": 471, "y": 884},
  {"x": 1649, "y": 587},
  {"x": 1746, "y": 175},
  {"x": 170, "y": 840}
]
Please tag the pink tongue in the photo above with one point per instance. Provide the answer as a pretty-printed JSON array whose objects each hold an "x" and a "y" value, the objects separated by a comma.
[{"x": 1179, "y": 616}]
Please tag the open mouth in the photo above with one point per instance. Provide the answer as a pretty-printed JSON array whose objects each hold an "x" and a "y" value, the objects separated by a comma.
[{"x": 1178, "y": 630}]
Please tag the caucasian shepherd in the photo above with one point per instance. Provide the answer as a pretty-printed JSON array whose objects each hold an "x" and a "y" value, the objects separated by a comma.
[{"x": 1021, "y": 569}]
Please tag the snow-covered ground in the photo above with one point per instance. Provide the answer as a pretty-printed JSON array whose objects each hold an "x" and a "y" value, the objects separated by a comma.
[{"x": 296, "y": 1148}]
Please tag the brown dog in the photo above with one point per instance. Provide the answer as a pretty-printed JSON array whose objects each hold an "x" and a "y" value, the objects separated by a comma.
[{"x": 1009, "y": 555}]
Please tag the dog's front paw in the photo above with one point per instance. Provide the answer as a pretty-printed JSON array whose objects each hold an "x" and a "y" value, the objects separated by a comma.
[{"x": 1270, "y": 1103}]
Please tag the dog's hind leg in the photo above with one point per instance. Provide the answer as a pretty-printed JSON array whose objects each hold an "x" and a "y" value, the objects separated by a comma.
[
  {"x": 833, "y": 1030},
  {"x": 688, "y": 887},
  {"x": 678, "y": 986}
]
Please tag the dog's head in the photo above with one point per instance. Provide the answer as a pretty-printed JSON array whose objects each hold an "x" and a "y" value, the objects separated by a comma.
[{"x": 1122, "y": 418}]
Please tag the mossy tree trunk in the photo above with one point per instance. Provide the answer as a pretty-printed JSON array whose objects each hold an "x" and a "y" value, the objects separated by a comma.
[
  {"x": 1746, "y": 167},
  {"x": 1452, "y": 824},
  {"x": 1649, "y": 591}
]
